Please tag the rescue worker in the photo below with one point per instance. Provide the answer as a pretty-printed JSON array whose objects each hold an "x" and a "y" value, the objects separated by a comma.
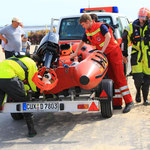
[
  {"x": 138, "y": 34},
  {"x": 13, "y": 72},
  {"x": 117, "y": 98},
  {"x": 101, "y": 36}
]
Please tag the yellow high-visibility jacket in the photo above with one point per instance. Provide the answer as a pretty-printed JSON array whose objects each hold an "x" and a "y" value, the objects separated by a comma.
[
  {"x": 140, "y": 39},
  {"x": 10, "y": 69}
]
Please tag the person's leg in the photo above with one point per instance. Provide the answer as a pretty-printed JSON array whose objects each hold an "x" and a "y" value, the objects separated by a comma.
[
  {"x": 29, "y": 120},
  {"x": 117, "y": 98},
  {"x": 121, "y": 81},
  {"x": 145, "y": 88},
  {"x": 115, "y": 62},
  {"x": 3, "y": 97},
  {"x": 24, "y": 50},
  {"x": 138, "y": 80},
  {"x": 15, "y": 89}
]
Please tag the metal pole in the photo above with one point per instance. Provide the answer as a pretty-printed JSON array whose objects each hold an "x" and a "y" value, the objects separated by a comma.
[
  {"x": 89, "y": 3},
  {"x": 52, "y": 21}
]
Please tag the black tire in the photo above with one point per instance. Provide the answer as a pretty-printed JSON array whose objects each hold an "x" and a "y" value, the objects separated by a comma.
[
  {"x": 107, "y": 103},
  {"x": 17, "y": 116},
  {"x": 106, "y": 109}
]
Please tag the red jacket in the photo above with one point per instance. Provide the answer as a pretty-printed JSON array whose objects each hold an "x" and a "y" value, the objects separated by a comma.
[{"x": 96, "y": 38}]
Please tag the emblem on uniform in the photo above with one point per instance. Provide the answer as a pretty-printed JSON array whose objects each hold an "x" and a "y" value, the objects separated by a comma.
[{"x": 98, "y": 39}]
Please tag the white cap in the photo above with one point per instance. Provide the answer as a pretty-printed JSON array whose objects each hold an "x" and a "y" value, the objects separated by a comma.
[{"x": 16, "y": 19}]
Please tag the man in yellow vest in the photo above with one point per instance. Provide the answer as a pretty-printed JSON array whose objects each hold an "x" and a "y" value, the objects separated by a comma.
[
  {"x": 13, "y": 72},
  {"x": 138, "y": 34}
]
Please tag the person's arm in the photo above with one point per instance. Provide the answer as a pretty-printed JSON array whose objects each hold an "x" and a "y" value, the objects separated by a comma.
[
  {"x": 105, "y": 32},
  {"x": 32, "y": 70},
  {"x": 23, "y": 39},
  {"x": 84, "y": 40},
  {"x": 78, "y": 48},
  {"x": 124, "y": 46},
  {"x": 3, "y": 50},
  {"x": 106, "y": 42},
  {"x": 126, "y": 42},
  {"x": 3, "y": 38},
  {"x": 3, "y": 45}
]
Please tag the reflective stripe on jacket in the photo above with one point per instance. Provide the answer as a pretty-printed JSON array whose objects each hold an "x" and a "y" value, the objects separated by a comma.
[{"x": 96, "y": 38}]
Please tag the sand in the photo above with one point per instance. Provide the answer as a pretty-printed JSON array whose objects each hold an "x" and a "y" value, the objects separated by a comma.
[{"x": 132, "y": 128}]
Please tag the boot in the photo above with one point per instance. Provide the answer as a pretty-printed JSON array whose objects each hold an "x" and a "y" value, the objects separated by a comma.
[
  {"x": 29, "y": 120},
  {"x": 31, "y": 131},
  {"x": 128, "y": 107},
  {"x": 146, "y": 102},
  {"x": 138, "y": 80},
  {"x": 138, "y": 97},
  {"x": 145, "y": 91}
]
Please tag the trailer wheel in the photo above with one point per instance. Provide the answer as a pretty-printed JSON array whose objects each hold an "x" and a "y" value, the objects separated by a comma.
[
  {"x": 17, "y": 116},
  {"x": 106, "y": 103},
  {"x": 106, "y": 109}
]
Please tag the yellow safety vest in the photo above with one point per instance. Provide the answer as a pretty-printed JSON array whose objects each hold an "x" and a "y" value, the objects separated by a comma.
[
  {"x": 140, "y": 55},
  {"x": 10, "y": 69}
]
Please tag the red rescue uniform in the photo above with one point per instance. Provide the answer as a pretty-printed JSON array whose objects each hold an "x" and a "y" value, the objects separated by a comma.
[{"x": 114, "y": 56}]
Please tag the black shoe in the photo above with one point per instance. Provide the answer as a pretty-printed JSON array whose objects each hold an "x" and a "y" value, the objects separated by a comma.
[
  {"x": 32, "y": 133},
  {"x": 128, "y": 107},
  {"x": 138, "y": 98},
  {"x": 117, "y": 107},
  {"x": 146, "y": 103}
]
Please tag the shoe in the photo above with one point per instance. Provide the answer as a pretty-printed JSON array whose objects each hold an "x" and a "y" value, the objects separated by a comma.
[
  {"x": 146, "y": 103},
  {"x": 117, "y": 107},
  {"x": 128, "y": 107},
  {"x": 138, "y": 98},
  {"x": 32, "y": 133}
]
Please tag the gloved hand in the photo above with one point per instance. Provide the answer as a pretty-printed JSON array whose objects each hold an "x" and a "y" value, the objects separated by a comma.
[{"x": 26, "y": 87}]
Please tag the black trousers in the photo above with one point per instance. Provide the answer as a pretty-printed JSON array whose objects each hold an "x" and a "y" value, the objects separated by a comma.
[
  {"x": 14, "y": 88},
  {"x": 8, "y": 54},
  {"x": 142, "y": 82}
]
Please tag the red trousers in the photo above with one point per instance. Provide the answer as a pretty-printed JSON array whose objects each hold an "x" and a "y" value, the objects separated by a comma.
[
  {"x": 117, "y": 98},
  {"x": 116, "y": 73}
]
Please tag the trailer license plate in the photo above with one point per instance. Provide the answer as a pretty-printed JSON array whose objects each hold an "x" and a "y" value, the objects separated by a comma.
[{"x": 50, "y": 106}]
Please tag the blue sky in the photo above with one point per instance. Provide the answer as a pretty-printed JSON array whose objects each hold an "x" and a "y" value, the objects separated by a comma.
[{"x": 40, "y": 12}]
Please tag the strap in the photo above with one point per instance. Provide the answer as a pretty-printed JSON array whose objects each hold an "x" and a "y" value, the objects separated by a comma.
[{"x": 24, "y": 67}]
